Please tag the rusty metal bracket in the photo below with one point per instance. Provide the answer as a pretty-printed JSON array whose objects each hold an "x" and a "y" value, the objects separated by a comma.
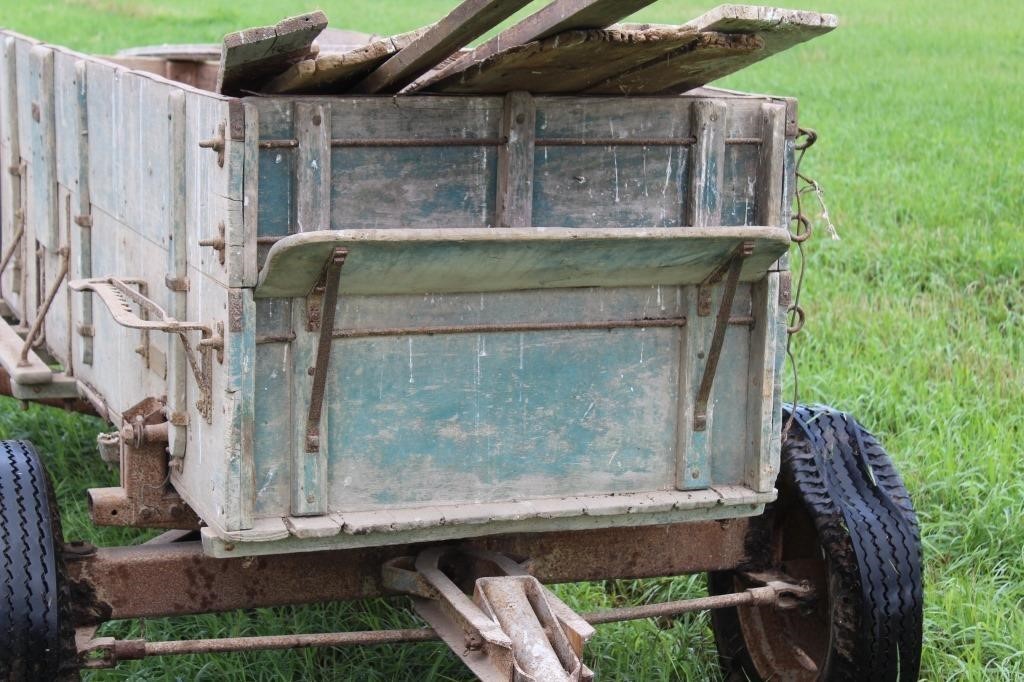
[
  {"x": 513, "y": 628},
  {"x": 15, "y": 240},
  {"x": 119, "y": 296},
  {"x": 731, "y": 271},
  {"x": 145, "y": 498},
  {"x": 332, "y": 283}
]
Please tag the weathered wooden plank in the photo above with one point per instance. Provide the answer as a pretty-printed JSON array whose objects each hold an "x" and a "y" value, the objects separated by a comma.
[
  {"x": 555, "y": 18},
  {"x": 271, "y": 535},
  {"x": 249, "y": 57},
  {"x": 514, "y": 207},
  {"x": 42, "y": 162},
  {"x": 246, "y": 239},
  {"x": 760, "y": 467},
  {"x": 309, "y": 496},
  {"x": 568, "y": 62},
  {"x": 13, "y": 204},
  {"x": 711, "y": 56},
  {"x": 707, "y": 163},
  {"x": 177, "y": 268},
  {"x": 771, "y": 160},
  {"x": 197, "y": 52},
  {"x": 333, "y": 72},
  {"x": 386, "y": 187},
  {"x": 32, "y": 371},
  {"x": 496, "y": 416},
  {"x": 240, "y": 396},
  {"x": 478, "y": 259},
  {"x": 313, "y": 169},
  {"x": 84, "y": 209},
  {"x": 469, "y": 20},
  {"x": 733, "y": 37}
]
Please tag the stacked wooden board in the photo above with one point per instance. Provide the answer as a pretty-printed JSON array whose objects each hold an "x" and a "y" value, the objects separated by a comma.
[{"x": 567, "y": 47}]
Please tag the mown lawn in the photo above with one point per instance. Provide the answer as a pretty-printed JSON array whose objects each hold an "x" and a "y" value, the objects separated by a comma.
[{"x": 915, "y": 323}]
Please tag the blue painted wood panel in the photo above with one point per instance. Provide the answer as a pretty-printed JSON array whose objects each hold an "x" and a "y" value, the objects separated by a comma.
[{"x": 501, "y": 416}]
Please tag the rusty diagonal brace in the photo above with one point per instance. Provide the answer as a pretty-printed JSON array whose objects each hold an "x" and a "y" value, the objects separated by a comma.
[
  {"x": 771, "y": 590},
  {"x": 37, "y": 324},
  {"x": 15, "y": 240},
  {"x": 731, "y": 269},
  {"x": 332, "y": 276}
]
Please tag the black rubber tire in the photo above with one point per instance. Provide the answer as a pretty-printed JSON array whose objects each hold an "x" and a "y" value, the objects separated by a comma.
[
  {"x": 36, "y": 634},
  {"x": 838, "y": 483}
]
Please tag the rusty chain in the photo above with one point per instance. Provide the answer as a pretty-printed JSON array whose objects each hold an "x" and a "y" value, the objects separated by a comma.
[{"x": 796, "y": 317}]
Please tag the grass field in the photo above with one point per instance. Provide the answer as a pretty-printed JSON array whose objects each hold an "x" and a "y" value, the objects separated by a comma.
[{"x": 915, "y": 323}]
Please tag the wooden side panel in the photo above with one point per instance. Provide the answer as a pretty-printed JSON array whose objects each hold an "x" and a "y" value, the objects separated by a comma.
[
  {"x": 610, "y": 185},
  {"x": 416, "y": 186},
  {"x": 501, "y": 415}
]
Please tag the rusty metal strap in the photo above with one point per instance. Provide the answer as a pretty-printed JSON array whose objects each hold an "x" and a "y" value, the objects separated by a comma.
[
  {"x": 323, "y": 349},
  {"x": 732, "y": 278}
]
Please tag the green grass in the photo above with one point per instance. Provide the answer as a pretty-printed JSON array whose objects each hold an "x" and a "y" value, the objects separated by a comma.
[{"x": 915, "y": 323}]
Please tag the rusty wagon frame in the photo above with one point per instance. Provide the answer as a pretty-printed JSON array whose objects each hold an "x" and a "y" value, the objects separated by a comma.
[{"x": 363, "y": 345}]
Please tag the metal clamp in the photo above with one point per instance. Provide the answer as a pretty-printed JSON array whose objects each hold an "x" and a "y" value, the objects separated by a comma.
[{"x": 513, "y": 628}]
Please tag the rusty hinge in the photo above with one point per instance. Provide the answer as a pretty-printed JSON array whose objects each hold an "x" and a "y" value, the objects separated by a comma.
[{"x": 83, "y": 221}]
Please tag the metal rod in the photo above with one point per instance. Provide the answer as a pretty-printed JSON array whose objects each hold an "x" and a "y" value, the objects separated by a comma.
[
  {"x": 230, "y": 644},
  {"x": 436, "y": 142},
  {"x": 13, "y": 247},
  {"x": 37, "y": 324},
  {"x": 671, "y": 608},
  {"x": 615, "y": 141},
  {"x": 112, "y": 651},
  {"x": 323, "y": 349},
  {"x": 499, "y": 141},
  {"x": 508, "y": 327}
]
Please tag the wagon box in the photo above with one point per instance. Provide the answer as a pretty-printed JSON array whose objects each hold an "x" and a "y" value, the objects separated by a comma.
[{"x": 343, "y": 322}]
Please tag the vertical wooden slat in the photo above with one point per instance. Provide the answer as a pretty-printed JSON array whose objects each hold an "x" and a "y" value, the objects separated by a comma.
[
  {"x": 764, "y": 398},
  {"x": 240, "y": 366},
  {"x": 770, "y": 165},
  {"x": 707, "y": 163},
  {"x": 43, "y": 165},
  {"x": 762, "y": 402},
  {"x": 250, "y": 195},
  {"x": 14, "y": 215},
  {"x": 514, "y": 207},
  {"x": 177, "y": 371},
  {"x": 84, "y": 209},
  {"x": 703, "y": 209},
  {"x": 313, "y": 172},
  {"x": 312, "y": 123}
]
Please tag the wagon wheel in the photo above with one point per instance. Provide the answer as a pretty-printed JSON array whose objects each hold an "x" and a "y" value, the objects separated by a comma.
[
  {"x": 36, "y": 636},
  {"x": 843, "y": 522}
]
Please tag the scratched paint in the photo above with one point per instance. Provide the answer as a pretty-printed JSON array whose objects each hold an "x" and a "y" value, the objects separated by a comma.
[{"x": 491, "y": 415}]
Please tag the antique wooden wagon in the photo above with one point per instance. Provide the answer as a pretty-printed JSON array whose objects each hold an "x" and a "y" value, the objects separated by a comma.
[{"x": 362, "y": 344}]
